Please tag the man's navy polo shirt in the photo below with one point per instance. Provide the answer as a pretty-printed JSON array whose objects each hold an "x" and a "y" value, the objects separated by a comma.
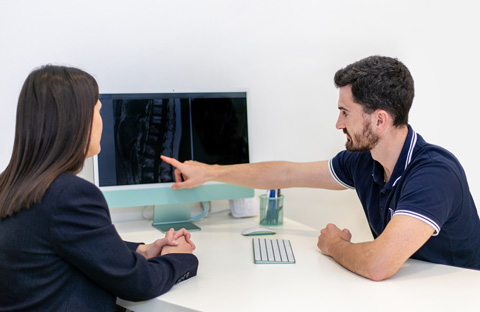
[{"x": 428, "y": 183}]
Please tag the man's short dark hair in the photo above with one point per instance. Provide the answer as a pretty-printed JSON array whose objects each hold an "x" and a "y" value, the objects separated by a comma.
[{"x": 380, "y": 82}]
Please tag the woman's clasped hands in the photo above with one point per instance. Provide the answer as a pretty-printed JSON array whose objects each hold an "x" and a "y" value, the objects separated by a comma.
[{"x": 173, "y": 242}]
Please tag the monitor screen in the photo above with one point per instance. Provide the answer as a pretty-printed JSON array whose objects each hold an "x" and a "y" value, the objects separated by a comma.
[{"x": 139, "y": 127}]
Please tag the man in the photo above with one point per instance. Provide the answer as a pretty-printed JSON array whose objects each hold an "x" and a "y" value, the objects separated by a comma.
[{"x": 415, "y": 195}]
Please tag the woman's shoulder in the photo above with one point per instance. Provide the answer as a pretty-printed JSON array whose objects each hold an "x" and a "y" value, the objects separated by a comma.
[
  {"x": 68, "y": 184},
  {"x": 69, "y": 179}
]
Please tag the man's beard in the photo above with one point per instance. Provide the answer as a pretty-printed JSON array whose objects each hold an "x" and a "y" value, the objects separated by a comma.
[{"x": 364, "y": 142}]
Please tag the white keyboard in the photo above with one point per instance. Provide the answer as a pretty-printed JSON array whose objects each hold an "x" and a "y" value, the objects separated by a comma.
[{"x": 267, "y": 250}]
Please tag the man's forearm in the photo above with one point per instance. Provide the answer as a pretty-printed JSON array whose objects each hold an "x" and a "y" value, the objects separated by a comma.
[
  {"x": 351, "y": 257},
  {"x": 277, "y": 174},
  {"x": 265, "y": 175},
  {"x": 381, "y": 258},
  {"x": 363, "y": 259}
]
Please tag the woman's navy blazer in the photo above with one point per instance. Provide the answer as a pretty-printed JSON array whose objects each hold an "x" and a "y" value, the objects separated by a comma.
[{"x": 64, "y": 254}]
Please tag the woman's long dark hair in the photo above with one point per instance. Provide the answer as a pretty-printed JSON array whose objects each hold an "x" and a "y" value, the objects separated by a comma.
[{"x": 52, "y": 135}]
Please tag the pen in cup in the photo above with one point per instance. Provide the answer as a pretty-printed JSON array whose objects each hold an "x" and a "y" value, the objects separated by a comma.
[
  {"x": 272, "y": 207},
  {"x": 277, "y": 205}
]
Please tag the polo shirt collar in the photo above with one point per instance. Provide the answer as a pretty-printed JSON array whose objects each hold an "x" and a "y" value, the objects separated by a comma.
[{"x": 403, "y": 161}]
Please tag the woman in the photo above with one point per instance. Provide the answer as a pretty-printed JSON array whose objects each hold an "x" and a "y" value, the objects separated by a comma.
[{"x": 58, "y": 248}]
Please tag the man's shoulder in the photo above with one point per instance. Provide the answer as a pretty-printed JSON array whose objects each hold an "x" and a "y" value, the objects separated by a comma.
[
  {"x": 434, "y": 155},
  {"x": 434, "y": 167},
  {"x": 348, "y": 157}
]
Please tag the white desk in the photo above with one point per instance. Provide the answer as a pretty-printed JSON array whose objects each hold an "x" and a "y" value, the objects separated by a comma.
[{"x": 228, "y": 280}]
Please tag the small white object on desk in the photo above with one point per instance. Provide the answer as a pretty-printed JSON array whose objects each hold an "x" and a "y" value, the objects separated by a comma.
[{"x": 244, "y": 207}]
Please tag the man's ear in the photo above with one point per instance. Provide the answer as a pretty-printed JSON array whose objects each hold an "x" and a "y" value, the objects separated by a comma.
[{"x": 382, "y": 118}]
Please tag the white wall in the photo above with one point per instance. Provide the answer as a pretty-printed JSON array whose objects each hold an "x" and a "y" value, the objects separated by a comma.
[{"x": 284, "y": 53}]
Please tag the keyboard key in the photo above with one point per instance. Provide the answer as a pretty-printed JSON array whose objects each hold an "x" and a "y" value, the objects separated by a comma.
[
  {"x": 263, "y": 249},
  {"x": 256, "y": 249},
  {"x": 289, "y": 250},
  {"x": 283, "y": 252},
  {"x": 276, "y": 252},
  {"x": 270, "y": 250}
]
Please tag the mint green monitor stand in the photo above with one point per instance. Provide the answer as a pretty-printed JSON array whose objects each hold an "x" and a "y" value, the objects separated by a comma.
[
  {"x": 177, "y": 216},
  {"x": 173, "y": 208}
]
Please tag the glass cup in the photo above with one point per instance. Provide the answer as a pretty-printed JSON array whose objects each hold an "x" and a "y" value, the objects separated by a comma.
[{"x": 271, "y": 210}]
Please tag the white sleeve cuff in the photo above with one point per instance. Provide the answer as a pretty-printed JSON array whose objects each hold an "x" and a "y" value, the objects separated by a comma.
[
  {"x": 334, "y": 175},
  {"x": 420, "y": 217}
]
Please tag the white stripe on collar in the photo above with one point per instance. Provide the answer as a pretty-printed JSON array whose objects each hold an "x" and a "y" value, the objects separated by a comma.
[{"x": 413, "y": 142}]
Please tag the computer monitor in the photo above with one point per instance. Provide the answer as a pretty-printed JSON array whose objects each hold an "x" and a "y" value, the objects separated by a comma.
[{"x": 139, "y": 127}]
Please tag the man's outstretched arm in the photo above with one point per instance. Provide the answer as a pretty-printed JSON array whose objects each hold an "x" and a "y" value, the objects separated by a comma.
[{"x": 265, "y": 175}]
